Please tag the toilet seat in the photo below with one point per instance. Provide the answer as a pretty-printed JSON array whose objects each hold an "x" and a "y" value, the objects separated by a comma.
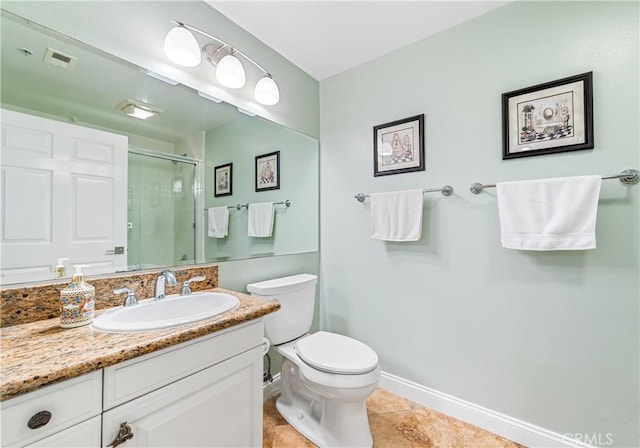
[{"x": 335, "y": 353}]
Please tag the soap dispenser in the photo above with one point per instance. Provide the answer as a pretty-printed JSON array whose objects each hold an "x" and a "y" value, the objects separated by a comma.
[
  {"x": 77, "y": 301},
  {"x": 60, "y": 270}
]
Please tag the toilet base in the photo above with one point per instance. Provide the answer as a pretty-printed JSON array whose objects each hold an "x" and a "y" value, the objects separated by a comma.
[
  {"x": 324, "y": 421},
  {"x": 311, "y": 428}
]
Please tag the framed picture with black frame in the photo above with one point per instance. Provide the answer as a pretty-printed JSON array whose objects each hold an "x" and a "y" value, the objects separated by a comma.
[
  {"x": 548, "y": 118},
  {"x": 223, "y": 180},
  {"x": 398, "y": 146},
  {"x": 268, "y": 171}
]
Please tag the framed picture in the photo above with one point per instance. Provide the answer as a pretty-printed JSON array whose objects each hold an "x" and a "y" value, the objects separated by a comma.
[
  {"x": 268, "y": 171},
  {"x": 223, "y": 180},
  {"x": 556, "y": 116},
  {"x": 398, "y": 147}
]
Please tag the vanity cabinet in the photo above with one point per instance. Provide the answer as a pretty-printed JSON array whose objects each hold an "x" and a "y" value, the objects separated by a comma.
[
  {"x": 203, "y": 392},
  {"x": 206, "y": 392},
  {"x": 214, "y": 407}
]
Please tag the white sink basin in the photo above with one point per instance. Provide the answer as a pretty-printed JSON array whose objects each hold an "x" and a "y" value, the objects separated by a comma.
[{"x": 169, "y": 312}]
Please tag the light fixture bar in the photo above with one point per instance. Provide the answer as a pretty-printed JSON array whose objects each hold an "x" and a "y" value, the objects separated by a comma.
[
  {"x": 182, "y": 48},
  {"x": 234, "y": 49}
]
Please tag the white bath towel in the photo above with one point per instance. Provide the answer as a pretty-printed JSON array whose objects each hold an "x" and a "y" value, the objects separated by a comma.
[
  {"x": 218, "y": 222},
  {"x": 260, "y": 219},
  {"x": 549, "y": 214},
  {"x": 397, "y": 215}
]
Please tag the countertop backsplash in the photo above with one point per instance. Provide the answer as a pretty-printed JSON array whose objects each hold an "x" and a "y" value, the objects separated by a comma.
[{"x": 30, "y": 303}]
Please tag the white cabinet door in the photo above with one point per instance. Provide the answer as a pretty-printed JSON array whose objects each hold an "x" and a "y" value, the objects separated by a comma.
[
  {"x": 63, "y": 192},
  {"x": 82, "y": 435},
  {"x": 220, "y": 406}
]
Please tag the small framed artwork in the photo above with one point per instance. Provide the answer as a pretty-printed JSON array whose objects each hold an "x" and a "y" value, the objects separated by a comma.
[
  {"x": 398, "y": 147},
  {"x": 268, "y": 171},
  {"x": 556, "y": 116},
  {"x": 223, "y": 179}
]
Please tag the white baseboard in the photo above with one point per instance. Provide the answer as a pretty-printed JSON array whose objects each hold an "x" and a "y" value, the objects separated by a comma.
[{"x": 503, "y": 425}]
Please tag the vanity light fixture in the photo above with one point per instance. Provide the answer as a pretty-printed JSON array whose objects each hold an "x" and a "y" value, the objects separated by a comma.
[
  {"x": 181, "y": 47},
  {"x": 138, "y": 109}
]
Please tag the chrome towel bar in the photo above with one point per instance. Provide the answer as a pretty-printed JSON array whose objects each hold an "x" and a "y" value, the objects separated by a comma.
[
  {"x": 446, "y": 190},
  {"x": 628, "y": 177},
  {"x": 286, "y": 203}
]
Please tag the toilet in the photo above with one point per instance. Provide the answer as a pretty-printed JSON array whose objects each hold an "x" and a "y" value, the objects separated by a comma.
[{"x": 325, "y": 377}]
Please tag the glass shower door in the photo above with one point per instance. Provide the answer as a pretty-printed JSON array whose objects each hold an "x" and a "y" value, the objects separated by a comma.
[{"x": 160, "y": 211}]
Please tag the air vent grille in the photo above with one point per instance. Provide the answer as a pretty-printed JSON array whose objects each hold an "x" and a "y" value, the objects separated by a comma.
[{"x": 59, "y": 59}]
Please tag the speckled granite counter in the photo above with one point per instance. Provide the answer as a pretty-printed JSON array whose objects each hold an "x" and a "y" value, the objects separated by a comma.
[{"x": 39, "y": 353}]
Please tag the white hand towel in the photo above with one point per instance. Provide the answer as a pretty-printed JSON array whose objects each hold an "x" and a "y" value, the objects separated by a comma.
[
  {"x": 218, "y": 222},
  {"x": 397, "y": 215},
  {"x": 260, "y": 219},
  {"x": 549, "y": 214}
]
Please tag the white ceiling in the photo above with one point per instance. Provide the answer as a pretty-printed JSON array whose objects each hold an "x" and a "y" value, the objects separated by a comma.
[{"x": 325, "y": 38}]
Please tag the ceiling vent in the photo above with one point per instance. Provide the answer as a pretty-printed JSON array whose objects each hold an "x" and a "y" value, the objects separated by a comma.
[{"x": 59, "y": 59}]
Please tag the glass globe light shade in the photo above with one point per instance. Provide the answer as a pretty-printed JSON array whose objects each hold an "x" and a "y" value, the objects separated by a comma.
[
  {"x": 181, "y": 47},
  {"x": 230, "y": 72},
  {"x": 266, "y": 91}
]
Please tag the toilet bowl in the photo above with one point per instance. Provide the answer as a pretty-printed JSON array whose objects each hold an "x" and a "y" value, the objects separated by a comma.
[{"x": 325, "y": 377}]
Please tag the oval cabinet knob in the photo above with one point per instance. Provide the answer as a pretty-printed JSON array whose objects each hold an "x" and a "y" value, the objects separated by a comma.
[
  {"x": 124, "y": 434},
  {"x": 39, "y": 419}
]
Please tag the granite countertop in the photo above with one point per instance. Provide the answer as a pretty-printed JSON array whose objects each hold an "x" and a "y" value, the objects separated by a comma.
[{"x": 40, "y": 353}]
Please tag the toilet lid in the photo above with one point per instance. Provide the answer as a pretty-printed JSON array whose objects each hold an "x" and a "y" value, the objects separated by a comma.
[{"x": 335, "y": 353}]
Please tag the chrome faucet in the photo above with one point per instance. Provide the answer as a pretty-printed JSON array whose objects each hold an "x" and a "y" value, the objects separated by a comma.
[{"x": 164, "y": 278}]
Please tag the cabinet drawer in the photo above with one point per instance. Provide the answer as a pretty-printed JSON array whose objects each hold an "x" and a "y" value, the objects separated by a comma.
[
  {"x": 133, "y": 378},
  {"x": 69, "y": 402},
  {"x": 83, "y": 435}
]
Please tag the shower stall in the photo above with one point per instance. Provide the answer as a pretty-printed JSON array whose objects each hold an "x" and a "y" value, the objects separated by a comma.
[{"x": 161, "y": 209}]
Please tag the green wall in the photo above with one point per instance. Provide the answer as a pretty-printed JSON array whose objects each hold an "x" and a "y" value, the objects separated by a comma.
[
  {"x": 296, "y": 227},
  {"x": 550, "y": 338}
]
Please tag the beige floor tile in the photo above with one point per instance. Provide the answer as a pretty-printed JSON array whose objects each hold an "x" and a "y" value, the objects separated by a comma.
[
  {"x": 286, "y": 437},
  {"x": 381, "y": 402},
  {"x": 398, "y": 430},
  {"x": 395, "y": 423}
]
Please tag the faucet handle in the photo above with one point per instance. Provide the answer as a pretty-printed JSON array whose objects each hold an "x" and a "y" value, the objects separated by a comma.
[
  {"x": 186, "y": 290},
  {"x": 131, "y": 296}
]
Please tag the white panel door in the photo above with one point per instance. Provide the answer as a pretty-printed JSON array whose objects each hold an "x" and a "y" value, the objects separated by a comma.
[{"x": 63, "y": 194}]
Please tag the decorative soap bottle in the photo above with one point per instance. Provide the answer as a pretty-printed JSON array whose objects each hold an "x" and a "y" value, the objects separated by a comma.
[
  {"x": 60, "y": 270},
  {"x": 77, "y": 301}
]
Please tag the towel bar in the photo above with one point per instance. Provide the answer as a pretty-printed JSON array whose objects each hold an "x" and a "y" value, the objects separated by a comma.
[
  {"x": 628, "y": 177},
  {"x": 286, "y": 203},
  {"x": 446, "y": 190}
]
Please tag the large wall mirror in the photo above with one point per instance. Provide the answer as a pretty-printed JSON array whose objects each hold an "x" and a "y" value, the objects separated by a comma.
[{"x": 169, "y": 168}]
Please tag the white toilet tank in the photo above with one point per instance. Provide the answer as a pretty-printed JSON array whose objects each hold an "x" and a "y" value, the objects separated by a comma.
[{"x": 296, "y": 295}]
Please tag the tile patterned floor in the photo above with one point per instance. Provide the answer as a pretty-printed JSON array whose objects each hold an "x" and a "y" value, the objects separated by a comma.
[{"x": 395, "y": 423}]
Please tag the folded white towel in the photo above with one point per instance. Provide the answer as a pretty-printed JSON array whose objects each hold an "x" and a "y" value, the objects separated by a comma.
[
  {"x": 218, "y": 222},
  {"x": 260, "y": 219},
  {"x": 549, "y": 214},
  {"x": 397, "y": 215}
]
